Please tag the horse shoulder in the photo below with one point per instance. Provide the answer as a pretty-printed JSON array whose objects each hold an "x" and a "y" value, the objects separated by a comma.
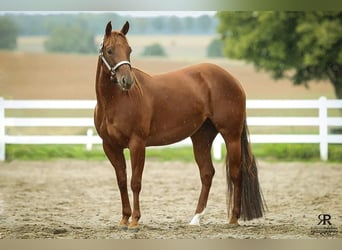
[{"x": 98, "y": 116}]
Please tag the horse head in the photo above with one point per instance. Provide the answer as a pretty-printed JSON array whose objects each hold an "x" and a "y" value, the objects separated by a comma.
[{"x": 115, "y": 54}]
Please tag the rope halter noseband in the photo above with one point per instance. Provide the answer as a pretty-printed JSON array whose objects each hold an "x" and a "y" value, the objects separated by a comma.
[{"x": 111, "y": 69}]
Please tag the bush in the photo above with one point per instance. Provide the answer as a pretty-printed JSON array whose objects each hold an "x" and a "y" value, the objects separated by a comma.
[
  {"x": 215, "y": 48},
  {"x": 70, "y": 40},
  {"x": 154, "y": 50},
  {"x": 8, "y": 33}
]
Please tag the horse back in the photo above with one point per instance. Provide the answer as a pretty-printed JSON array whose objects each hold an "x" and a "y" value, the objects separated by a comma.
[
  {"x": 183, "y": 100},
  {"x": 207, "y": 82}
]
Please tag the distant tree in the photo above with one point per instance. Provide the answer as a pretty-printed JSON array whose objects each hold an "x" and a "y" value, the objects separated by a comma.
[
  {"x": 71, "y": 39},
  {"x": 189, "y": 25},
  {"x": 8, "y": 33},
  {"x": 204, "y": 23},
  {"x": 154, "y": 50},
  {"x": 158, "y": 24},
  {"x": 142, "y": 25},
  {"x": 302, "y": 46},
  {"x": 175, "y": 25},
  {"x": 215, "y": 48}
]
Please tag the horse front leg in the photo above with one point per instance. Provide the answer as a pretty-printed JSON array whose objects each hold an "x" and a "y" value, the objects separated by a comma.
[
  {"x": 116, "y": 157},
  {"x": 137, "y": 152}
]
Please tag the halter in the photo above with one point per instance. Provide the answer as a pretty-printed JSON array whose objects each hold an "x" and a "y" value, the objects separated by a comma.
[{"x": 111, "y": 69}]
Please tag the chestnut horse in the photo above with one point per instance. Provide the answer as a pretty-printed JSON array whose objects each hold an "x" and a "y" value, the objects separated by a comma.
[{"x": 135, "y": 110}]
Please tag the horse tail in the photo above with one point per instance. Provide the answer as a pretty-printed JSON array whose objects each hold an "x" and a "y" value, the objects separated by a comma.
[{"x": 252, "y": 201}]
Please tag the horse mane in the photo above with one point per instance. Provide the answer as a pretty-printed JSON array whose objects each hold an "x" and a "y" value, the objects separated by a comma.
[
  {"x": 142, "y": 72},
  {"x": 137, "y": 82}
]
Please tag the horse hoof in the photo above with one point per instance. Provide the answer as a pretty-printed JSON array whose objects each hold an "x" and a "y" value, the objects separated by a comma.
[
  {"x": 122, "y": 226},
  {"x": 235, "y": 224},
  {"x": 133, "y": 228},
  {"x": 197, "y": 218}
]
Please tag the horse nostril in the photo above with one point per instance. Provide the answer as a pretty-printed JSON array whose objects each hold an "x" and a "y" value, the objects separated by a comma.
[{"x": 124, "y": 79}]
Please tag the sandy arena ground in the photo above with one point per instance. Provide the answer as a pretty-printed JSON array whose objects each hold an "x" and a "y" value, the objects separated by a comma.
[{"x": 77, "y": 200}]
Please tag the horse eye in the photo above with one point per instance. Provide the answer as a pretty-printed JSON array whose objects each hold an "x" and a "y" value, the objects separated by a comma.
[{"x": 109, "y": 51}]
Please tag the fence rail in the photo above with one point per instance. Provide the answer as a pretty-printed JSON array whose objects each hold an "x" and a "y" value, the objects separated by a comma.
[{"x": 322, "y": 121}]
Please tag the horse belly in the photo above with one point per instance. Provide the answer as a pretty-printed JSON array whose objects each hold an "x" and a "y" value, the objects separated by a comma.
[
  {"x": 171, "y": 136},
  {"x": 174, "y": 129}
]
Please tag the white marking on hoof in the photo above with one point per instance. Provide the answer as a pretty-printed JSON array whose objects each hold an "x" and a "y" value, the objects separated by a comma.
[{"x": 196, "y": 219}]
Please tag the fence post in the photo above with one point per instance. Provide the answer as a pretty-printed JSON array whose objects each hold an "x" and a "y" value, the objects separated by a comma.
[
  {"x": 2, "y": 129},
  {"x": 89, "y": 144},
  {"x": 217, "y": 147},
  {"x": 323, "y": 128}
]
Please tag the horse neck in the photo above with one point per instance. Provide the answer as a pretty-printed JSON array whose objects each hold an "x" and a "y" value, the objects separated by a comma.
[{"x": 102, "y": 84}]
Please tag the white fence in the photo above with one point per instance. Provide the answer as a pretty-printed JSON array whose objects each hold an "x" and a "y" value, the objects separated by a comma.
[{"x": 322, "y": 121}]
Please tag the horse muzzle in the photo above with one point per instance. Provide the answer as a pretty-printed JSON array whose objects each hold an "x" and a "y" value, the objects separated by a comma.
[{"x": 125, "y": 82}]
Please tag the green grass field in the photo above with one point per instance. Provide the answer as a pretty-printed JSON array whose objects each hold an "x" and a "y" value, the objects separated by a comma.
[{"x": 269, "y": 152}]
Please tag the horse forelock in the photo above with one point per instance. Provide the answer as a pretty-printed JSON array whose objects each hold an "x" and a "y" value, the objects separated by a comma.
[{"x": 114, "y": 37}]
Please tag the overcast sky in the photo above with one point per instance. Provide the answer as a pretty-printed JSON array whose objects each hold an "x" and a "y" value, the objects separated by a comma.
[
  {"x": 127, "y": 13},
  {"x": 167, "y": 13}
]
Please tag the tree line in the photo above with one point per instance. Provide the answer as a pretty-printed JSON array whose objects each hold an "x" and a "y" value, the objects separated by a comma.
[
  {"x": 300, "y": 46},
  {"x": 75, "y": 33},
  {"x": 95, "y": 22}
]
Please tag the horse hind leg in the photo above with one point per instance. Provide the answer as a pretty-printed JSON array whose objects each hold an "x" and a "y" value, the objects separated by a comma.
[
  {"x": 242, "y": 178},
  {"x": 202, "y": 141},
  {"x": 234, "y": 178}
]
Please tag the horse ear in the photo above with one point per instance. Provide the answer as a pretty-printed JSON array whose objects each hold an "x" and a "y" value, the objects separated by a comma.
[
  {"x": 109, "y": 28},
  {"x": 125, "y": 28}
]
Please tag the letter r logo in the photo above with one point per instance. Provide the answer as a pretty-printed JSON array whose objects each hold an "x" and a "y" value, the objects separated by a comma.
[{"x": 324, "y": 219}]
